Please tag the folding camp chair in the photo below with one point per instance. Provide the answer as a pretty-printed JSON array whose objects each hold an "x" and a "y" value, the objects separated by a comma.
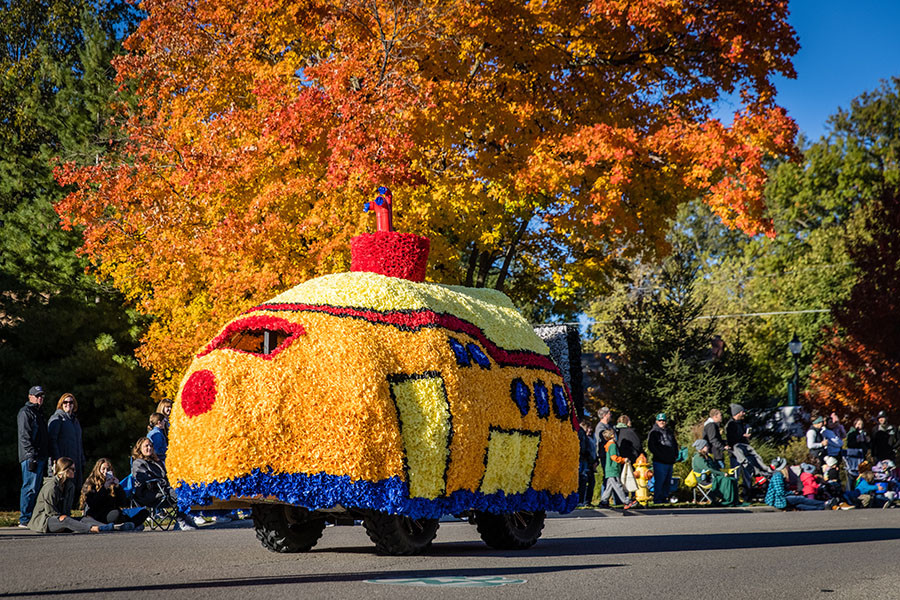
[
  {"x": 794, "y": 482},
  {"x": 162, "y": 511},
  {"x": 852, "y": 458},
  {"x": 127, "y": 485},
  {"x": 701, "y": 488}
]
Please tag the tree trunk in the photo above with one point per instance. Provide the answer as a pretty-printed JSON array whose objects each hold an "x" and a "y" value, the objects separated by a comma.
[
  {"x": 486, "y": 259},
  {"x": 473, "y": 262},
  {"x": 511, "y": 252}
]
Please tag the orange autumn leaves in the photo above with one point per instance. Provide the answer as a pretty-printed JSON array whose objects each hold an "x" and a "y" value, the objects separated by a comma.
[{"x": 257, "y": 129}]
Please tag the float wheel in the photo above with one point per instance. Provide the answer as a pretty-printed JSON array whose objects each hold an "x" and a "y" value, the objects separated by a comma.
[
  {"x": 510, "y": 531},
  {"x": 285, "y": 528},
  {"x": 400, "y": 535}
]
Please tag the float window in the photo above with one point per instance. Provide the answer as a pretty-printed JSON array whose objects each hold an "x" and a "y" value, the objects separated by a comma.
[
  {"x": 256, "y": 341},
  {"x": 261, "y": 336}
]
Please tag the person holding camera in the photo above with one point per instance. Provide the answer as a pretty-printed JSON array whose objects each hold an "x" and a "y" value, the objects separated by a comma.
[
  {"x": 33, "y": 451},
  {"x": 103, "y": 499}
]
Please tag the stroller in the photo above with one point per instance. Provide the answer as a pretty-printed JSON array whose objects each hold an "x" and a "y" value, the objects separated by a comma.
[{"x": 887, "y": 481}]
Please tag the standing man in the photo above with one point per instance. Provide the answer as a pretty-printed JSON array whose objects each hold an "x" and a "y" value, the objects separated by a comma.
[
  {"x": 661, "y": 443},
  {"x": 713, "y": 437},
  {"x": 737, "y": 441},
  {"x": 605, "y": 417},
  {"x": 33, "y": 451},
  {"x": 815, "y": 439},
  {"x": 884, "y": 439}
]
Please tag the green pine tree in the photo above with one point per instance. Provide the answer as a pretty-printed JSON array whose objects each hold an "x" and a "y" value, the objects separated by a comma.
[{"x": 58, "y": 326}]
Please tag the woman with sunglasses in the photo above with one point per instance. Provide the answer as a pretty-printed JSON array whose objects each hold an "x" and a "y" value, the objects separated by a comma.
[
  {"x": 65, "y": 435},
  {"x": 52, "y": 512}
]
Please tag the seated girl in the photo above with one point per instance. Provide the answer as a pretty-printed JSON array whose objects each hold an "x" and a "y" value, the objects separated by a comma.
[
  {"x": 151, "y": 487},
  {"x": 52, "y": 512},
  {"x": 103, "y": 499}
]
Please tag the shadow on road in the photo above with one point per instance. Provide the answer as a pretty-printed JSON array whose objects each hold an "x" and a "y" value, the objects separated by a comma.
[
  {"x": 644, "y": 544},
  {"x": 318, "y": 578},
  {"x": 548, "y": 547}
]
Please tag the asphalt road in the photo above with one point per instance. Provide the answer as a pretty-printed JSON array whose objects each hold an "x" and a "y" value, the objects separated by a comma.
[{"x": 694, "y": 554}]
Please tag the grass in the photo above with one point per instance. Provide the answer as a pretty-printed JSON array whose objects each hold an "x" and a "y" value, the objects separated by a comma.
[{"x": 9, "y": 518}]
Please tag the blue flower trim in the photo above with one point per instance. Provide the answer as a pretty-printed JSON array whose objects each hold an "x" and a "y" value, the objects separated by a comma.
[
  {"x": 388, "y": 495},
  {"x": 478, "y": 356},
  {"x": 560, "y": 407},
  {"x": 459, "y": 351},
  {"x": 541, "y": 399},
  {"x": 520, "y": 394}
]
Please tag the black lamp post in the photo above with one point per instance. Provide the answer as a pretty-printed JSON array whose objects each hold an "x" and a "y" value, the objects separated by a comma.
[{"x": 795, "y": 346}]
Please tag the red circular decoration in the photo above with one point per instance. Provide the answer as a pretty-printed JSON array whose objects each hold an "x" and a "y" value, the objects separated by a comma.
[
  {"x": 199, "y": 393},
  {"x": 390, "y": 253}
]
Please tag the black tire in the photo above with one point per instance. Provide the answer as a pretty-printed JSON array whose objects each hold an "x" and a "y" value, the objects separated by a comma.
[
  {"x": 510, "y": 531},
  {"x": 285, "y": 528},
  {"x": 399, "y": 535}
]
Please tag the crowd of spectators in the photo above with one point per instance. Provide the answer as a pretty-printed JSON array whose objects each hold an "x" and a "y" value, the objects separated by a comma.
[
  {"x": 844, "y": 469},
  {"x": 869, "y": 477},
  {"x": 47, "y": 502}
]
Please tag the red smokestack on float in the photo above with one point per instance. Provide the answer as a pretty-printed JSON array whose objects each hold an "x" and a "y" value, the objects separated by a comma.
[{"x": 387, "y": 252}]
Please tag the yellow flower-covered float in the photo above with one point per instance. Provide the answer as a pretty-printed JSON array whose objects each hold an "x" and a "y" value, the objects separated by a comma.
[{"x": 376, "y": 396}]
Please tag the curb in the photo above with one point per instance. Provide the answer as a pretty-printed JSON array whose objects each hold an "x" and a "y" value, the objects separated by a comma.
[{"x": 618, "y": 512}]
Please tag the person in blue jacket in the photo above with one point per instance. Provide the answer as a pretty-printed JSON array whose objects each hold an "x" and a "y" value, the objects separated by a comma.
[{"x": 156, "y": 432}]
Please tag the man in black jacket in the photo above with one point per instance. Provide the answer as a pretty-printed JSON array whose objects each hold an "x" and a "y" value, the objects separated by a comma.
[
  {"x": 884, "y": 439},
  {"x": 713, "y": 437},
  {"x": 33, "y": 451},
  {"x": 662, "y": 445},
  {"x": 737, "y": 440}
]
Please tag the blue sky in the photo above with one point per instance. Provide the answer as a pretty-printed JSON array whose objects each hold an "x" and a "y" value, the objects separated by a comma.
[{"x": 847, "y": 46}]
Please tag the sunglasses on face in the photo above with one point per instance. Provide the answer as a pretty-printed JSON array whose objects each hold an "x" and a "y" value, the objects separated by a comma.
[{"x": 68, "y": 402}]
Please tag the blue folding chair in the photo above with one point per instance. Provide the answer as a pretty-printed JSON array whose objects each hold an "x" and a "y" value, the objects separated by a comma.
[
  {"x": 852, "y": 458},
  {"x": 127, "y": 486}
]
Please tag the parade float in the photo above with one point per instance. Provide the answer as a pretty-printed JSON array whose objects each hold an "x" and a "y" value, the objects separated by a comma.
[{"x": 374, "y": 396}]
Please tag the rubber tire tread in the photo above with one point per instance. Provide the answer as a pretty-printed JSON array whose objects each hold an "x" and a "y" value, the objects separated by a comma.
[
  {"x": 275, "y": 533},
  {"x": 498, "y": 531},
  {"x": 391, "y": 536}
]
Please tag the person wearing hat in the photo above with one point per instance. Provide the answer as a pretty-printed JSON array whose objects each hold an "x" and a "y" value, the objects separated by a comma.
[
  {"x": 662, "y": 445},
  {"x": 815, "y": 439},
  {"x": 737, "y": 441},
  {"x": 884, "y": 439},
  {"x": 809, "y": 483},
  {"x": 777, "y": 496},
  {"x": 724, "y": 488},
  {"x": 33, "y": 451}
]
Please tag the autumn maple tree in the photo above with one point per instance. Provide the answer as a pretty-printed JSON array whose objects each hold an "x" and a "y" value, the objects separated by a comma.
[
  {"x": 858, "y": 368},
  {"x": 532, "y": 142}
]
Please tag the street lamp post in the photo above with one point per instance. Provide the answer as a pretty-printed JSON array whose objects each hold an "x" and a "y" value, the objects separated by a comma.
[{"x": 795, "y": 346}]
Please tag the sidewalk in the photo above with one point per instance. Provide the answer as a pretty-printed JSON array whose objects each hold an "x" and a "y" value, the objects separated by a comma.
[{"x": 593, "y": 512}]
